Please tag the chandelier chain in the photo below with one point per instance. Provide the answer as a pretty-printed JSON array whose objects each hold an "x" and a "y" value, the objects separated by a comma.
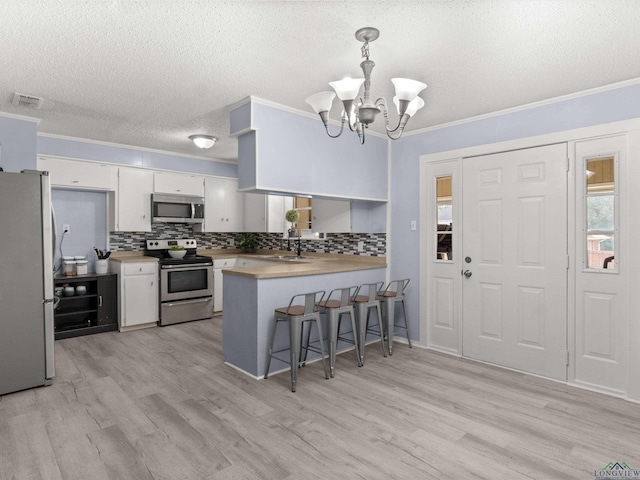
[{"x": 365, "y": 50}]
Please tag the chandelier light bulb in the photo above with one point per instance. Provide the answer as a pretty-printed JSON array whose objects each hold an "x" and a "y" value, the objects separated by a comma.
[{"x": 347, "y": 88}]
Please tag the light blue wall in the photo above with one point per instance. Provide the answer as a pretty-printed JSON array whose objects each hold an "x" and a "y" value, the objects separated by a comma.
[
  {"x": 293, "y": 154},
  {"x": 86, "y": 214},
  {"x": 613, "y": 105},
  {"x": 17, "y": 144},
  {"x": 368, "y": 217},
  {"x": 130, "y": 156}
]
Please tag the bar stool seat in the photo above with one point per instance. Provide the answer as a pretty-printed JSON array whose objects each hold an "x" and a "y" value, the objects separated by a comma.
[
  {"x": 334, "y": 310},
  {"x": 389, "y": 297},
  {"x": 296, "y": 316},
  {"x": 363, "y": 304}
]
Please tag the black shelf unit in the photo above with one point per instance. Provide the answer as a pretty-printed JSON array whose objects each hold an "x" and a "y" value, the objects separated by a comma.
[{"x": 94, "y": 312}]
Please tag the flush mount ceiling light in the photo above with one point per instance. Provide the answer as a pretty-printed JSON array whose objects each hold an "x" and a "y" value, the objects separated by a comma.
[
  {"x": 203, "y": 141},
  {"x": 358, "y": 115}
]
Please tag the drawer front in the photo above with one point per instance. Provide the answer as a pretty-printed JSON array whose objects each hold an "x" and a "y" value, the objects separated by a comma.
[
  {"x": 224, "y": 263},
  {"x": 145, "y": 268}
]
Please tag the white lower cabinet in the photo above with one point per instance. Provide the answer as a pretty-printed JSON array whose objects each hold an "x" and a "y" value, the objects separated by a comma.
[
  {"x": 218, "y": 265},
  {"x": 137, "y": 294}
]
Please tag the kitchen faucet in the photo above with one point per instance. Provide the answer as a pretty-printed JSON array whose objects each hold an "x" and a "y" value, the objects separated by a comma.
[{"x": 297, "y": 245}]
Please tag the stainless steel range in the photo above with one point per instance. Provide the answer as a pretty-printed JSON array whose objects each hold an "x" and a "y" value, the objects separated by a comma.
[{"x": 186, "y": 284}]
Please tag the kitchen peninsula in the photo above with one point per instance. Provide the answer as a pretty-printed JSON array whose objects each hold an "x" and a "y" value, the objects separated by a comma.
[{"x": 252, "y": 293}]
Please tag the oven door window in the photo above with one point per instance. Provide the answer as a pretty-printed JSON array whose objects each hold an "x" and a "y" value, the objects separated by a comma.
[{"x": 179, "y": 281}]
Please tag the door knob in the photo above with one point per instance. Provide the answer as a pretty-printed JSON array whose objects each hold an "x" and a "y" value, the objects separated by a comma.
[{"x": 467, "y": 273}]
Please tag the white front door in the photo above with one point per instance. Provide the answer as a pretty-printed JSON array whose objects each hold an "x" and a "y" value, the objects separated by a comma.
[{"x": 514, "y": 259}]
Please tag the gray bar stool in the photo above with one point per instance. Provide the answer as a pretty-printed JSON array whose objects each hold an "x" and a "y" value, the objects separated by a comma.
[
  {"x": 363, "y": 305},
  {"x": 296, "y": 316},
  {"x": 334, "y": 310},
  {"x": 389, "y": 297}
]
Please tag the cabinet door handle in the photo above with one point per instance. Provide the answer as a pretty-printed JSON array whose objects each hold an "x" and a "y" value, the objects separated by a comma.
[{"x": 99, "y": 300}]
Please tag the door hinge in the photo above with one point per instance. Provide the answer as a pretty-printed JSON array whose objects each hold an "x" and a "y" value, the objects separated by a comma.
[
  {"x": 567, "y": 358},
  {"x": 568, "y": 163},
  {"x": 568, "y": 262}
]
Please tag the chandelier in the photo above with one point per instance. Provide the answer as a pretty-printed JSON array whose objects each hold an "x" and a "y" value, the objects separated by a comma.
[{"x": 359, "y": 114}]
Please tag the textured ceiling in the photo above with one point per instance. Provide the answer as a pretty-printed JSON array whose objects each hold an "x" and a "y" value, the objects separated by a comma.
[{"x": 149, "y": 73}]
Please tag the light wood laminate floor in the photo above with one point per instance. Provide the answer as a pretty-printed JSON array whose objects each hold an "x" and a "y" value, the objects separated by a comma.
[{"x": 160, "y": 404}]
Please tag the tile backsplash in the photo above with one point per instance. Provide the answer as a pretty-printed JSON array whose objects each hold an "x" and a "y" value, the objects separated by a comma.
[{"x": 371, "y": 244}]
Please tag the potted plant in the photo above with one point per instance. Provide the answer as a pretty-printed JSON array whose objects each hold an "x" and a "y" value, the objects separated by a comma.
[
  {"x": 248, "y": 242},
  {"x": 292, "y": 216}
]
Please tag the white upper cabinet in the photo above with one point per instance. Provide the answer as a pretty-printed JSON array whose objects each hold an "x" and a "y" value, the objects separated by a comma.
[
  {"x": 331, "y": 215},
  {"x": 265, "y": 213},
  {"x": 255, "y": 212},
  {"x": 178, "y": 184},
  {"x": 79, "y": 174},
  {"x": 135, "y": 186},
  {"x": 222, "y": 205}
]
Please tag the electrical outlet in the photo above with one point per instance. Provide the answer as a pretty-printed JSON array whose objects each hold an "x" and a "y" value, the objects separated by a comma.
[
  {"x": 361, "y": 246},
  {"x": 66, "y": 228},
  {"x": 231, "y": 242}
]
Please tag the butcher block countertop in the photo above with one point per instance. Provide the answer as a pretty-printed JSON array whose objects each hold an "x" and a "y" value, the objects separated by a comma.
[
  {"x": 130, "y": 257},
  {"x": 309, "y": 264}
]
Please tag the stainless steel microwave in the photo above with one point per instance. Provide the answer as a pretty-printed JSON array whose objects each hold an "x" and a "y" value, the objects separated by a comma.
[{"x": 177, "y": 208}]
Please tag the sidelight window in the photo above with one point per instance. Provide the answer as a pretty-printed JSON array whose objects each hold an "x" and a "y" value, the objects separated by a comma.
[
  {"x": 444, "y": 219},
  {"x": 601, "y": 212}
]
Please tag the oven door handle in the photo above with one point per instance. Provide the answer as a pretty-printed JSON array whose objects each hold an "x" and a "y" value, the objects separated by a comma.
[
  {"x": 191, "y": 266},
  {"x": 183, "y": 302}
]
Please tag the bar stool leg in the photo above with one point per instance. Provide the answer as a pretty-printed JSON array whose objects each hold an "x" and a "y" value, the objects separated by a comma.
[
  {"x": 324, "y": 364},
  {"x": 355, "y": 336},
  {"x": 361, "y": 329},
  {"x": 332, "y": 319},
  {"x": 295, "y": 332},
  {"x": 406, "y": 322},
  {"x": 381, "y": 327},
  {"x": 389, "y": 315}
]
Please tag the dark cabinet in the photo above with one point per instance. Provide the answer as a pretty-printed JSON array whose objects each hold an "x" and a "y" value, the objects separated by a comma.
[{"x": 91, "y": 308}]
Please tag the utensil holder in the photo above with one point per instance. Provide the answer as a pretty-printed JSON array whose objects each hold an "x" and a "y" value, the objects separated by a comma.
[{"x": 102, "y": 266}]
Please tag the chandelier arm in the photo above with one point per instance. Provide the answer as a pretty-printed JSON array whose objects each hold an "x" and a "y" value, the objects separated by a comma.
[
  {"x": 326, "y": 127},
  {"x": 360, "y": 131},
  {"x": 389, "y": 133},
  {"x": 403, "y": 122},
  {"x": 324, "y": 116},
  {"x": 382, "y": 102}
]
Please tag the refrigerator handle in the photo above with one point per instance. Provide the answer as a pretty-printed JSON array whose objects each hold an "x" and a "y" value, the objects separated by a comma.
[{"x": 54, "y": 237}]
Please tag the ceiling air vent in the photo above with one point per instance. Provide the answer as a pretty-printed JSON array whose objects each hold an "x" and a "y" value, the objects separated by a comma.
[{"x": 28, "y": 101}]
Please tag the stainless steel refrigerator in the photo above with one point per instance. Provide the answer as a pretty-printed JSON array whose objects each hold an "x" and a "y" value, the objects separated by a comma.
[{"x": 27, "y": 242}]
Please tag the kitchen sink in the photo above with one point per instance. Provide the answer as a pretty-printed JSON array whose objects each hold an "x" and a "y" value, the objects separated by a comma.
[{"x": 287, "y": 257}]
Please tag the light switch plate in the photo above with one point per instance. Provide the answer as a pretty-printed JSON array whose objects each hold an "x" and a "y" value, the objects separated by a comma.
[{"x": 413, "y": 224}]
